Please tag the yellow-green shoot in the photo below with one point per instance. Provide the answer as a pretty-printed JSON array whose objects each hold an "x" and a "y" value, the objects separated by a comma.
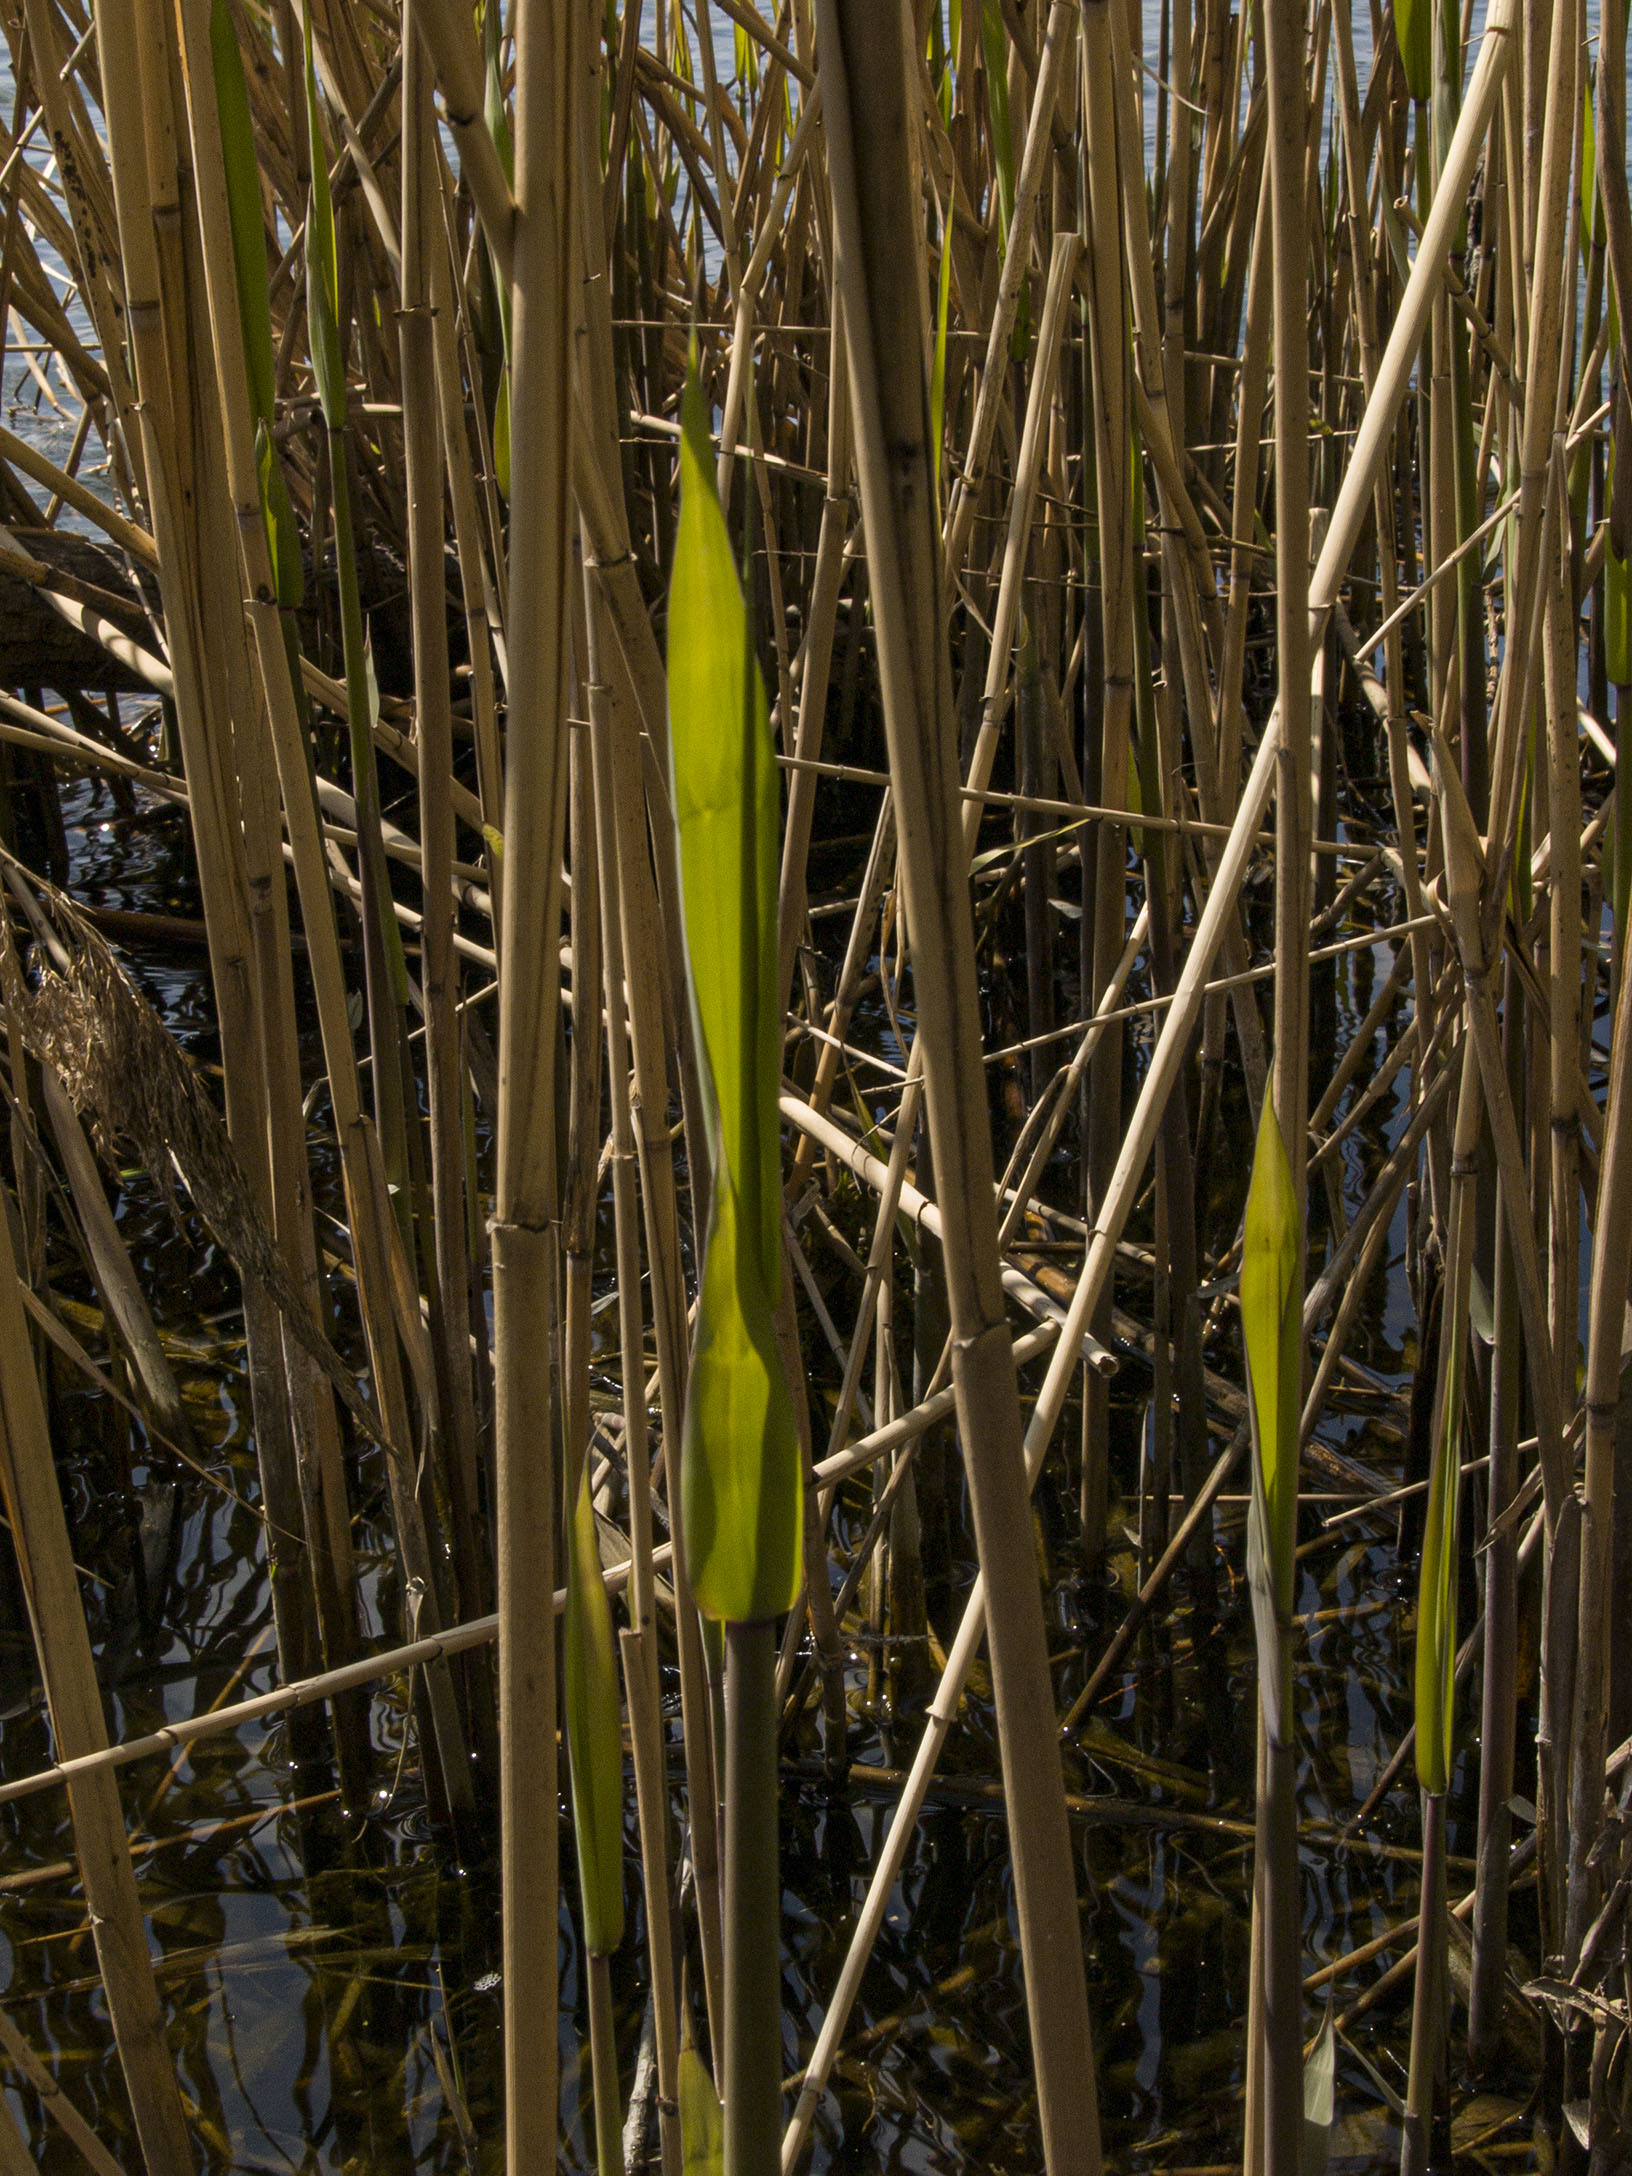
[
  {"x": 1271, "y": 1323},
  {"x": 740, "y": 1471}
]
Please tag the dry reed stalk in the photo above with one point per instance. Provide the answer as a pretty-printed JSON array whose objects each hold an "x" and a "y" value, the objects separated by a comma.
[
  {"x": 1611, "y": 1268},
  {"x": 249, "y": 949},
  {"x": 1274, "y": 2112},
  {"x": 1102, "y": 1244},
  {"x": 618, "y": 781},
  {"x": 526, "y": 1290},
  {"x": 1163, "y": 1071},
  {"x": 980, "y": 765},
  {"x": 322, "y": 1481},
  {"x": 868, "y": 114},
  {"x": 122, "y": 1294},
  {"x": 826, "y": 581},
  {"x": 639, "y": 1641},
  {"x": 56, "y": 2103},
  {"x": 15, "y": 2157},
  {"x": 433, "y": 733},
  {"x": 40, "y": 1535},
  {"x": 1104, "y": 902},
  {"x": 450, "y": 39},
  {"x": 1056, "y": 57}
]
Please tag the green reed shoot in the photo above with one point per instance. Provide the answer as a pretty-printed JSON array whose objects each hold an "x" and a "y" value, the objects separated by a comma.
[
  {"x": 740, "y": 1472},
  {"x": 254, "y": 299},
  {"x": 1272, "y": 1330}
]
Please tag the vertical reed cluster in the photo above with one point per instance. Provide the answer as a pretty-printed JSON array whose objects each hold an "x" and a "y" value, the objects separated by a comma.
[{"x": 661, "y": 558}]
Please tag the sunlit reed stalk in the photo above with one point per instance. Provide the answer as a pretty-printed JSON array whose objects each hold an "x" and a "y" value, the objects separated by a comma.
[
  {"x": 1273, "y": 2109},
  {"x": 39, "y": 1531},
  {"x": 1436, "y": 1643},
  {"x": 638, "y": 1643},
  {"x": 447, "y": 1254}
]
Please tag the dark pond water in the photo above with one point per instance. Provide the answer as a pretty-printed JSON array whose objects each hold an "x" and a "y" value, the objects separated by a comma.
[{"x": 316, "y": 1969}]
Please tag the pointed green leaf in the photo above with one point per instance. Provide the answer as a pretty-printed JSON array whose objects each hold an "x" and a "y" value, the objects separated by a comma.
[
  {"x": 702, "y": 2122},
  {"x": 594, "y": 1744},
  {"x": 937, "y": 376},
  {"x": 322, "y": 264},
  {"x": 726, "y": 805},
  {"x": 1593, "y": 230},
  {"x": 994, "y": 38},
  {"x": 1414, "y": 28},
  {"x": 1271, "y": 1322},
  {"x": 1437, "y": 1584},
  {"x": 501, "y": 435},
  {"x": 282, "y": 537},
  {"x": 244, "y": 210},
  {"x": 740, "y": 1474},
  {"x": 740, "y": 1467},
  {"x": 1617, "y": 619},
  {"x": 1272, "y": 1332}
]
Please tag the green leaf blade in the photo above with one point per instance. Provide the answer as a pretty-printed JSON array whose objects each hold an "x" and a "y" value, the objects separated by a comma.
[
  {"x": 740, "y": 1473},
  {"x": 1272, "y": 1332},
  {"x": 322, "y": 264},
  {"x": 1594, "y": 232},
  {"x": 282, "y": 536},
  {"x": 244, "y": 211},
  {"x": 726, "y": 805},
  {"x": 1271, "y": 1320},
  {"x": 594, "y": 1743},
  {"x": 740, "y": 1470},
  {"x": 937, "y": 376},
  {"x": 1414, "y": 28},
  {"x": 1435, "y": 1672},
  {"x": 702, "y": 2121}
]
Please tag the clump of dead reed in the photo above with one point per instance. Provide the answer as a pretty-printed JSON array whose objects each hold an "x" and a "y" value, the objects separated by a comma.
[{"x": 1140, "y": 463}]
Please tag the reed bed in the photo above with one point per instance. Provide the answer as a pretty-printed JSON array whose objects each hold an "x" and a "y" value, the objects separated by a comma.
[{"x": 820, "y": 671}]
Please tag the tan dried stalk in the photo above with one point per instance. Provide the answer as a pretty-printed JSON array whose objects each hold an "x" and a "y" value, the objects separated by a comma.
[
  {"x": 869, "y": 109},
  {"x": 40, "y": 1535}
]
